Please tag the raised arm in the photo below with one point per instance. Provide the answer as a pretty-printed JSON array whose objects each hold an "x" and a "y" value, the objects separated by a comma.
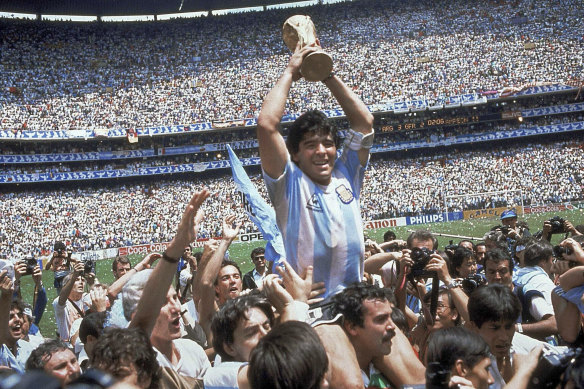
[
  {"x": 156, "y": 289},
  {"x": 66, "y": 289},
  {"x": 6, "y": 289},
  {"x": 206, "y": 306},
  {"x": 358, "y": 115},
  {"x": 273, "y": 152},
  {"x": 118, "y": 285}
]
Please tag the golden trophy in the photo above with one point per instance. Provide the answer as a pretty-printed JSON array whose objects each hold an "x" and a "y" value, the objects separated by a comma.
[{"x": 299, "y": 28}]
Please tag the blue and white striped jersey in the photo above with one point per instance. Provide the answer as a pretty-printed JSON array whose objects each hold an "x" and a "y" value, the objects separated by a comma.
[{"x": 322, "y": 226}]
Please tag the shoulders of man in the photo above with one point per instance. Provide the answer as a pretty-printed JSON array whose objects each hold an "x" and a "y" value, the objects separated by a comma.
[{"x": 223, "y": 376}]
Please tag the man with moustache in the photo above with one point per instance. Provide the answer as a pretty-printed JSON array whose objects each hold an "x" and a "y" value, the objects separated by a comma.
[{"x": 366, "y": 319}]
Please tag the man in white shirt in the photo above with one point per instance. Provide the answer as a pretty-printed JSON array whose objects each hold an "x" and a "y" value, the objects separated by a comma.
[{"x": 534, "y": 289}]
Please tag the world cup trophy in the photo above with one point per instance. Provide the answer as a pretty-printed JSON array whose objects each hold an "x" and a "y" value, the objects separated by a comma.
[{"x": 315, "y": 66}]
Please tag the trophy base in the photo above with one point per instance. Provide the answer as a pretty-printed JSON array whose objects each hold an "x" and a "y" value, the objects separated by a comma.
[{"x": 316, "y": 66}]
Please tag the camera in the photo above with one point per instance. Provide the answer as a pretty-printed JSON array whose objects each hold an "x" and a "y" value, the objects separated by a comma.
[
  {"x": 557, "y": 224},
  {"x": 552, "y": 363},
  {"x": 88, "y": 267},
  {"x": 60, "y": 248},
  {"x": 504, "y": 229},
  {"x": 31, "y": 263},
  {"x": 420, "y": 257},
  {"x": 559, "y": 251},
  {"x": 471, "y": 282},
  {"x": 451, "y": 247}
]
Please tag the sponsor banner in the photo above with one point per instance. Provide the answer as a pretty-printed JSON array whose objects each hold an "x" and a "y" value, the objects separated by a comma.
[
  {"x": 252, "y": 237},
  {"x": 384, "y": 223},
  {"x": 510, "y": 115},
  {"x": 488, "y": 213},
  {"x": 96, "y": 255},
  {"x": 144, "y": 249},
  {"x": 436, "y": 218},
  {"x": 552, "y": 208}
]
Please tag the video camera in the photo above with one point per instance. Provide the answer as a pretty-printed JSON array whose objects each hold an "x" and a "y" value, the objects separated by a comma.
[{"x": 551, "y": 365}]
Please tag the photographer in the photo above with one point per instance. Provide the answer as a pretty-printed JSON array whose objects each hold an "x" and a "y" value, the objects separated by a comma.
[
  {"x": 558, "y": 225},
  {"x": 24, "y": 268},
  {"x": 60, "y": 264},
  {"x": 70, "y": 305}
]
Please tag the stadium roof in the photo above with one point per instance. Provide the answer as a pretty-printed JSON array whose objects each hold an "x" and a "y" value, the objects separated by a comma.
[{"x": 125, "y": 7}]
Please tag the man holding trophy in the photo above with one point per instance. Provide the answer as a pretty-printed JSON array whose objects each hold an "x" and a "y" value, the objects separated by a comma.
[{"x": 315, "y": 193}]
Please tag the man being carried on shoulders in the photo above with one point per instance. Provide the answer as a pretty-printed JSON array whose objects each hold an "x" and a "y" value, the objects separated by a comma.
[{"x": 315, "y": 194}]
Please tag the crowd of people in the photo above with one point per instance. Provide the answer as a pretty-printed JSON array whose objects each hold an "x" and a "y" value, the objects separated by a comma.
[
  {"x": 220, "y": 328},
  {"x": 59, "y": 76},
  {"x": 325, "y": 307},
  {"x": 132, "y": 214}
]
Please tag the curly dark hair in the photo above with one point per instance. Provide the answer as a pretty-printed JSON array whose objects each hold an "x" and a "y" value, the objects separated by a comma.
[
  {"x": 313, "y": 121},
  {"x": 291, "y": 356},
  {"x": 122, "y": 346},
  {"x": 42, "y": 354},
  {"x": 349, "y": 302},
  {"x": 225, "y": 320}
]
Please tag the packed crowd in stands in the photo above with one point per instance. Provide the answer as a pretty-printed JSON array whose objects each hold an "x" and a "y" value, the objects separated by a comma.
[
  {"x": 116, "y": 217},
  {"x": 338, "y": 309},
  {"x": 180, "y": 72}
]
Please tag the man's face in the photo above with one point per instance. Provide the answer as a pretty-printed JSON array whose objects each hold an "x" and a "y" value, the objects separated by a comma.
[
  {"x": 498, "y": 335},
  {"x": 316, "y": 157},
  {"x": 121, "y": 269},
  {"x": 259, "y": 261},
  {"x": 467, "y": 245},
  {"x": 247, "y": 334},
  {"x": 429, "y": 244},
  {"x": 167, "y": 326},
  {"x": 15, "y": 324},
  {"x": 445, "y": 315},
  {"x": 63, "y": 365},
  {"x": 510, "y": 221},
  {"x": 228, "y": 283},
  {"x": 377, "y": 331},
  {"x": 498, "y": 273},
  {"x": 479, "y": 374},
  {"x": 481, "y": 251},
  {"x": 78, "y": 287},
  {"x": 468, "y": 267}
]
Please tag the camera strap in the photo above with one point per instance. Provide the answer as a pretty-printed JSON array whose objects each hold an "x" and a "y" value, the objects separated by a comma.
[{"x": 77, "y": 308}]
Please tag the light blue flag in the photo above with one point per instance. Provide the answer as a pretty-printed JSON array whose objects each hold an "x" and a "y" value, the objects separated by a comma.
[{"x": 258, "y": 211}]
